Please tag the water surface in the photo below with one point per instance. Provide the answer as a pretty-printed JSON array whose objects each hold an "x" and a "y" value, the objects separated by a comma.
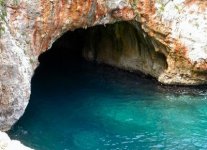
[{"x": 88, "y": 106}]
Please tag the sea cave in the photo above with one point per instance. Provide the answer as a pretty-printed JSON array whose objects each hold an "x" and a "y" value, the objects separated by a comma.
[
  {"x": 79, "y": 101},
  {"x": 103, "y": 74}
]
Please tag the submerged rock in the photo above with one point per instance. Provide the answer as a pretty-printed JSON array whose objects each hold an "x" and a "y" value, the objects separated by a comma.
[
  {"x": 7, "y": 144},
  {"x": 170, "y": 37}
]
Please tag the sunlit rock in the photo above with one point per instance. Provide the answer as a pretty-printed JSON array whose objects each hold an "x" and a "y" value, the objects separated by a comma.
[{"x": 7, "y": 144}]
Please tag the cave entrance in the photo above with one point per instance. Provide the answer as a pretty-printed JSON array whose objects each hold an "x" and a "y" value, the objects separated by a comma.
[
  {"x": 122, "y": 45},
  {"x": 79, "y": 104}
]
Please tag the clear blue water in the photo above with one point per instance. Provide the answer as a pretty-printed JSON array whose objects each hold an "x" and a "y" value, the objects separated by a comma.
[{"x": 88, "y": 107}]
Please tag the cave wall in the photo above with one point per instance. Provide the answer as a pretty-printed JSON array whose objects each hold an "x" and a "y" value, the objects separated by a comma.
[
  {"x": 124, "y": 45},
  {"x": 177, "y": 29}
]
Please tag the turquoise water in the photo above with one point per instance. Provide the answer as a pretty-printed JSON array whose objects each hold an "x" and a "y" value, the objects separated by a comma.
[{"x": 85, "y": 106}]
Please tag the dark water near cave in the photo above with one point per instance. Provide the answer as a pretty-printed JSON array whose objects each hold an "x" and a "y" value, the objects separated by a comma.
[
  {"x": 96, "y": 107},
  {"x": 76, "y": 105}
]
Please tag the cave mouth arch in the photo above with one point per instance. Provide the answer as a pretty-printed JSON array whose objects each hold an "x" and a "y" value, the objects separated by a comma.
[
  {"x": 111, "y": 46},
  {"x": 61, "y": 64},
  {"x": 74, "y": 103},
  {"x": 123, "y": 45}
]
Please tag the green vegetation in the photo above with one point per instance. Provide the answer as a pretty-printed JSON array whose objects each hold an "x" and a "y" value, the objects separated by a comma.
[
  {"x": 2, "y": 15},
  {"x": 2, "y": 10}
]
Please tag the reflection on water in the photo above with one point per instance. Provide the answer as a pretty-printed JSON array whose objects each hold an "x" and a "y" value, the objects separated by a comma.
[{"x": 96, "y": 107}]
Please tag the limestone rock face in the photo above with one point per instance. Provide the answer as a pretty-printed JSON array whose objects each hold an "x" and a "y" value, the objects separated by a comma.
[
  {"x": 126, "y": 46},
  {"x": 175, "y": 30},
  {"x": 7, "y": 144}
]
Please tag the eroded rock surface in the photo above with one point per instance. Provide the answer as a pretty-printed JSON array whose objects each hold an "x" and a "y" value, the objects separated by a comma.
[
  {"x": 175, "y": 30},
  {"x": 126, "y": 46}
]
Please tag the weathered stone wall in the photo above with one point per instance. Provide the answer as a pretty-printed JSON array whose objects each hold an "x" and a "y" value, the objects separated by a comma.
[
  {"x": 177, "y": 29},
  {"x": 126, "y": 46}
]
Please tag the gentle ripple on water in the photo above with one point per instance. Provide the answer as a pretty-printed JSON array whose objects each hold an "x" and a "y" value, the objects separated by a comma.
[{"x": 101, "y": 108}]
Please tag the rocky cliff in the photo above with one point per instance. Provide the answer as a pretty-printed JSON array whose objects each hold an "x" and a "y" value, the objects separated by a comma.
[{"x": 163, "y": 38}]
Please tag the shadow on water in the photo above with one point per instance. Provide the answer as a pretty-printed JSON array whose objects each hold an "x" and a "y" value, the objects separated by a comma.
[{"x": 81, "y": 105}]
